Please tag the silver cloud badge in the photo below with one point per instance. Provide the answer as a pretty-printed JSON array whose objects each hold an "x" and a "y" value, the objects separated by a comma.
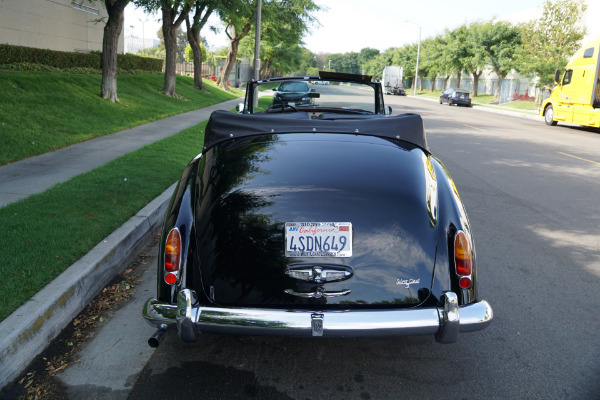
[{"x": 407, "y": 282}]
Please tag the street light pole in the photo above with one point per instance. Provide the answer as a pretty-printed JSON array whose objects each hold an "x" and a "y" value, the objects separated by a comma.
[
  {"x": 143, "y": 31},
  {"x": 257, "y": 40},
  {"x": 418, "y": 53}
]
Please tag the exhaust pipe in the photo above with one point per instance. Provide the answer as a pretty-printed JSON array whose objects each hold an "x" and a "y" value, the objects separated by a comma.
[{"x": 158, "y": 336}]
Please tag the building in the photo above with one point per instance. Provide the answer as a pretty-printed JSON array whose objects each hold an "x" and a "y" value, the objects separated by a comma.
[{"x": 63, "y": 25}]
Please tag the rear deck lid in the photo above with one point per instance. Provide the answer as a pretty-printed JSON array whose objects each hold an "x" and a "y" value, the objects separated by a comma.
[{"x": 316, "y": 221}]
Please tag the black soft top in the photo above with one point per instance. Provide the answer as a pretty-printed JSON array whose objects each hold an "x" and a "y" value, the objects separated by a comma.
[{"x": 225, "y": 125}]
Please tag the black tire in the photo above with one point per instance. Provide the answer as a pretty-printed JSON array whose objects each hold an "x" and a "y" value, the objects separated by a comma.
[
  {"x": 449, "y": 102},
  {"x": 549, "y": 116}
]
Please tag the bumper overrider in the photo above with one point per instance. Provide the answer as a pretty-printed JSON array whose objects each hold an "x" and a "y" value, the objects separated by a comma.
[{"x": 191, "y": 319}]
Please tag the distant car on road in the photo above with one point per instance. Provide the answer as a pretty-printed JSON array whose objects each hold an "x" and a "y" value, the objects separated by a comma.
[
  {"x": 460, "y": 97},
  {"x": 292, "y": 93}
]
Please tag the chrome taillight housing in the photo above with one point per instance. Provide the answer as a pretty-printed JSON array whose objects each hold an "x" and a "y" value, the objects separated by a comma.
[
  {"x": 172, "y": 256},
  {"x": 462, "y": 260}
]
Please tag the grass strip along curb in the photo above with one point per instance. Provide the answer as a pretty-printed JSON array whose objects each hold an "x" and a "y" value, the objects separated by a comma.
[
  {"x": 46, "y": 233},
  {"x": 30, "y": 329},
  {"x": 44, "y": 111}
]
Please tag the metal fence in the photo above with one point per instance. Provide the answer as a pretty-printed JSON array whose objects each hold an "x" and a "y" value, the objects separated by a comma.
[
  {"x": 241, "y": 72},
  {"x": 510, "y": 89}
]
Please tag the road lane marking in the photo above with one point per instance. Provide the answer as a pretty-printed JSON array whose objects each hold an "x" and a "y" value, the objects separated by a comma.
[
  {"x": 474, "y": 127},
  {"x": 579, "y": 158}
]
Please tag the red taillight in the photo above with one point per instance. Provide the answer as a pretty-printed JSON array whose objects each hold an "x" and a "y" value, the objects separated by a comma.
[
  {"x": 462, "y": 259},
  {"x": 464, "y": 283},
  {"x": 171, "y": 278},
  {"x": 172, "y": 256}
]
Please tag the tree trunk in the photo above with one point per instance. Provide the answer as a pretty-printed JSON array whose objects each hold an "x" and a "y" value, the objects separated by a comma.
[
  {"x": 445, "y": 82},
  {"x": 170, "y": 36},
  {"x": 476, "y": 82},
  {"x": 458, "y": 78},
  {"x": 193, "y": 35},
  {"x": 169, "y": 28},
  {"x": 433, "y": 83},
  {"x": 110, "y": 48},
  {"x": 229, "y": 62},
  {"x": 232, "y": 54},
  {"x": 500, "y": 78}
]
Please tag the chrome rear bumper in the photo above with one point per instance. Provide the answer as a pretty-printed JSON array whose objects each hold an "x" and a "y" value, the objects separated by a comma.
[{"x": 444, "y": 322}]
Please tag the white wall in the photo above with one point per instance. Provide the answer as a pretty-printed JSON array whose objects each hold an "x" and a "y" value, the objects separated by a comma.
[{"x": 54, "y": 24}]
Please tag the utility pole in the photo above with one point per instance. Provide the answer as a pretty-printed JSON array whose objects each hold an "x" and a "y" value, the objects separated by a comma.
[
  {"x": 257, "y": 49},
  {"x": 257, "y": 40},
  {"x": 418, "y": 52},
  {"x": 143, "y": 30}
]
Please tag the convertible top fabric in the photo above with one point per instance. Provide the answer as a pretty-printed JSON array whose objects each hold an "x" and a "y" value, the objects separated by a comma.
[{"x": 225, "y": 125}]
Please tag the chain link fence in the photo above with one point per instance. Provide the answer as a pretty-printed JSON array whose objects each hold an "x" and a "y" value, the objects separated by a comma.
[{"x": 510, "y": 89}]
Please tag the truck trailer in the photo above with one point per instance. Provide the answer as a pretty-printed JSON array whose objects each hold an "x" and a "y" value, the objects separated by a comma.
[
  {"x": 391, "y": 80},
  {"x": 576, "y": 95}
]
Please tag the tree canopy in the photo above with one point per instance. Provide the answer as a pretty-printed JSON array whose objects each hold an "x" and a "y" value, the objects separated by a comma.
[
  {"x": 535, "y": 48},
  {"x": 549, "y": 41}
]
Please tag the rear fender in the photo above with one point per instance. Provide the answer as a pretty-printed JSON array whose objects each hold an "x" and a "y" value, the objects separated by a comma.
[
  {"x": 452, "y": 218},
  {"x": 180, "y": 214}
]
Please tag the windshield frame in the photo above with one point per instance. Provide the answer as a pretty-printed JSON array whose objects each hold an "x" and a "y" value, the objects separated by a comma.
[{"x": 252, "y": 88}]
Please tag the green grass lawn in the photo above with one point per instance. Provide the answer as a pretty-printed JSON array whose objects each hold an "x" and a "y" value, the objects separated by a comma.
[
  {"x": 44, "y": 111},
  {"x": 44, "y": 234},
  {"x": 522, "y": 105}
]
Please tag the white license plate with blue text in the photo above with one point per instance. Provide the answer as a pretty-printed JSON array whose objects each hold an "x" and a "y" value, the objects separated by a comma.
[{"x": 318, "y": 239}]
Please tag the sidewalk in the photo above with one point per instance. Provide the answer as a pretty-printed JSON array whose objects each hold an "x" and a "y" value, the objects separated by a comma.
[
  {"x": 36, "y": 174},
  {"x": 27, "y": 331}
]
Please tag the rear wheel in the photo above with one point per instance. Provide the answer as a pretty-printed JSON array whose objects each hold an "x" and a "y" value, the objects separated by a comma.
[
  {"x": 549, "y": 116},
  {"x": 449, "y": 102}
]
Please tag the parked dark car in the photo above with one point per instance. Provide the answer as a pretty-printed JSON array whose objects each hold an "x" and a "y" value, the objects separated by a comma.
[
  {"x": 330, "y": 220},
  {"x": 292, "y": 93},
  {"x": 460, "y": 97}
]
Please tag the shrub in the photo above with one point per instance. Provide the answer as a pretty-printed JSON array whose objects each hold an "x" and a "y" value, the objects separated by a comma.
[{"x": 10, "y": 54}]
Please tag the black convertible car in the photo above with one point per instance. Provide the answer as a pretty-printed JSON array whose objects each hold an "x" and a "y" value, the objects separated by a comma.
[{"x": 323, "y": 219}]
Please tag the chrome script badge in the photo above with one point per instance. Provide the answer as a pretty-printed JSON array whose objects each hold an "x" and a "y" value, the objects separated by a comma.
[{"x": 407, "y": 282}]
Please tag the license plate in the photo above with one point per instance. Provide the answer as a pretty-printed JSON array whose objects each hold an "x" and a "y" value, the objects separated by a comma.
[{"x": 318, "y": 239}]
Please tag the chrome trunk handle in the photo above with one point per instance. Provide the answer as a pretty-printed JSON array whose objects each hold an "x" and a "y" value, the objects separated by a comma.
[{"x": 319, "y": 293}]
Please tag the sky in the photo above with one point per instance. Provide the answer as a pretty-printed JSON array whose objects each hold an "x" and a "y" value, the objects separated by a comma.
[{"x": 351, "y": 25}]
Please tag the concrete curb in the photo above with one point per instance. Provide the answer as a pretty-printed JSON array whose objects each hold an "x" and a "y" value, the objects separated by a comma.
[{"x": 28, "y": 330}]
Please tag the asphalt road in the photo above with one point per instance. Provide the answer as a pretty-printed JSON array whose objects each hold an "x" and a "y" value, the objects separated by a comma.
[{"x": 531, "y": 192}]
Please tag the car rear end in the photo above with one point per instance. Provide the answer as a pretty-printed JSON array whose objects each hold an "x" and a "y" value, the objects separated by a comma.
[
  {"x": 460, "y": 98},
  {"x": 320, "y": 235}
]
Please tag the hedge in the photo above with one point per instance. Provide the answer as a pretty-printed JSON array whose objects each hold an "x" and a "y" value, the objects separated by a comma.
[{"x": 10, "y": 54}]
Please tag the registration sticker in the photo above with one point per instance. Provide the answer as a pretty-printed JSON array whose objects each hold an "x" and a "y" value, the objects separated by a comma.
[{"x": 318, "y": 239}]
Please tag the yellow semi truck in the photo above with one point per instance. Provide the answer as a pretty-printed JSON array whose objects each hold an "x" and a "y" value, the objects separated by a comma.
[{"x": 576, "y": 95}]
